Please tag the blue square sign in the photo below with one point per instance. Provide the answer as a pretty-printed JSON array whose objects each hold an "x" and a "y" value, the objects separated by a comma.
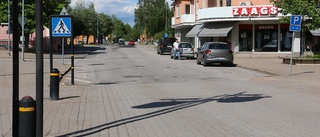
[
  {"x": 295, "y": 23},
  {"x": 295, "y": 20},
  {"x": 61, "y": 27}
]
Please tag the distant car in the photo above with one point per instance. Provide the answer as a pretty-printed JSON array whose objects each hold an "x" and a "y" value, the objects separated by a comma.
[
  {"x": 121, "y": 42},
  {"x": 165, "y": 45},
  {"x": 271, "y": 46},
  {"x": 215, "y": 52},
  {"x": 131, "y": 42},
  {"x": 186, "y": 50}
]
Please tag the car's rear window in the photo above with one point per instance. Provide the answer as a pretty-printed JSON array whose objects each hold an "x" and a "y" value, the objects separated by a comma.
[
  {"x": 185, "y": 45},
  {"x": 169, "y": 41},
  {"x": 218, "y": 46}
]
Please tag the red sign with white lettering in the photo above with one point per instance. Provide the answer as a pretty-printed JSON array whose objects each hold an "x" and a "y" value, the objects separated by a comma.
[{"x": 255, "y": 11}]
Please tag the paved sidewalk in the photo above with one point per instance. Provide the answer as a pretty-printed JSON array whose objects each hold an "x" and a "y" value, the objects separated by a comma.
[
  {"x": 119, "y": 110},
  {"x": 272, "y": 64}
]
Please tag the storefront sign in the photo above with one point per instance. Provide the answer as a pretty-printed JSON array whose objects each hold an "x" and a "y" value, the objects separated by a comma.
[{"x": 255, "y": 11}]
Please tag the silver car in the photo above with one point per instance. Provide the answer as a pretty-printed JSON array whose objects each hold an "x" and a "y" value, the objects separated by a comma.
[
  {"x": 186, "y": 50},
  {"x": 215, "y": 52}
]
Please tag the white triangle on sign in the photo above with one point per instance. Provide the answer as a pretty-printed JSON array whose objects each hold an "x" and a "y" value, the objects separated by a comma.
[{"x": 61, "y": 28}]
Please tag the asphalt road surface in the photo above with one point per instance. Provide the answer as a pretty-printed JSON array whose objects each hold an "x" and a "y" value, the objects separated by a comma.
[{"x": 203, "y": 101}]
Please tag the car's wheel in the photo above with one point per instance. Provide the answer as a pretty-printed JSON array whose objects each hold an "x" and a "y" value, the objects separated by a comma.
[
  {"x": 230, "y": 64},
  {"x": 204, "y": 63}
]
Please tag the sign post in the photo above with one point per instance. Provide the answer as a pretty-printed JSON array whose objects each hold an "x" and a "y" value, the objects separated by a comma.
[
  {"x": 63, "y": 12},
  {"x": 295, "y": 26},
  {"x": 61, "y": 27}
]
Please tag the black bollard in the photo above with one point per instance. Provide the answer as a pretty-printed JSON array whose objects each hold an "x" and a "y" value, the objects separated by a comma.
[
  {"x": 54, "y": 84},
  {"x": 27, "y": 117}
]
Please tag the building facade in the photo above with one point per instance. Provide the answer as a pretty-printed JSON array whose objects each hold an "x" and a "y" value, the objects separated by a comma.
[{"x": 248, "y": 26}]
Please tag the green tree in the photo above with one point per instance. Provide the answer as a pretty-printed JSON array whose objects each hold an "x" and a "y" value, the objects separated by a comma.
[
  {"x": 105, "y": 26},
  {"x": 90, "y": 22},
  {"x": 153, "y": 16},
  {"x": 49, "y": 8},
  {"x": 119, "y": 29},
  {"x": 308, "y": 9}
]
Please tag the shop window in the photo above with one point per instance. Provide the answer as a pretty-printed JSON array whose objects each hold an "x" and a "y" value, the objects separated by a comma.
[
  {"x": 285, "y": 38},
  {"x": 245, "y": 37},
  {"x": 266, "y": 38},
  {"x": 221, "y": 3},
  {"x": 187, "y": 9}
]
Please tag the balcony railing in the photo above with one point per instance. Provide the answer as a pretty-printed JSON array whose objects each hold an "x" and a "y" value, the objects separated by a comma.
[
  {"x": 188, "y": 18},
  {"x": 173, "y": 21}
]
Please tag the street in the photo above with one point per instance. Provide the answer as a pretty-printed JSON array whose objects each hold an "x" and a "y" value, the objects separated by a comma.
[{"x": 132, "y": 91}]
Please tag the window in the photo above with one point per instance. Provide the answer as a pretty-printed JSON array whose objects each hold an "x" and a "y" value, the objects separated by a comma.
[
  {"x": 185, "y": 45},
  {"x": 178, "y": 11},
  {"x": 228, "y": 3},
  {"x": 221, "y": 3},
  {"x": 212, "y": 3},
  {"x": 218, "y": 46},
  {"x": 187, "y": 9}
]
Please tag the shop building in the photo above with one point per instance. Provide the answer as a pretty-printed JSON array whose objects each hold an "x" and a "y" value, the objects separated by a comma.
[{"x": 247, "y": 26}]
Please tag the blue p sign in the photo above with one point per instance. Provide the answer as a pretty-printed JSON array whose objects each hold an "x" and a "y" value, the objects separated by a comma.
[{"x": 295, "y": 20}]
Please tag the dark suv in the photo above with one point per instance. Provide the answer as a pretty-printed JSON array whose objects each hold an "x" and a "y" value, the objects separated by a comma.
[{"x": 165, "y": 45}]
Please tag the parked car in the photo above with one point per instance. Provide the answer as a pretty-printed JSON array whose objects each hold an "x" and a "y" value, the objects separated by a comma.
[
  {"x": 165, "y": 45},
  {"x": 186, "y": 50},
  {"x": 131, "y": 42},
  {"x": 215, "y": 52}
]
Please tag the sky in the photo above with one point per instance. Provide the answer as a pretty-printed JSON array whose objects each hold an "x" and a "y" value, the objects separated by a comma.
[{"x": 123, "y": 9}]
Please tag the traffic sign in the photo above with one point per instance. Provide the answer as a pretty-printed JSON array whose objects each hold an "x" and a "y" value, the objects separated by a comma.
[
  {"x": 295, "y": 20},
  {"x": 295, "y": 28},
  {"x": 295, "y": 23},
  {"x": 61, "y": 26},
  {"x": 166, "y": 35}
]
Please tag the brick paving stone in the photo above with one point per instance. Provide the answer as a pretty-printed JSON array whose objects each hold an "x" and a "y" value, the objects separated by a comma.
[{"x": 121, "y": 109}]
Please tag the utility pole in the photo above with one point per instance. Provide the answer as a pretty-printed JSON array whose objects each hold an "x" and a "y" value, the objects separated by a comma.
[
  {"x": 9, "y": 28},
  {"x": 22, "y": 26}
]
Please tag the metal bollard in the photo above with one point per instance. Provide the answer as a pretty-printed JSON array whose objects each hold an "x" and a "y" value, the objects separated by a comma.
[
  {"x": 54, "y": 84},
  {"x": 27, "y": 117}
]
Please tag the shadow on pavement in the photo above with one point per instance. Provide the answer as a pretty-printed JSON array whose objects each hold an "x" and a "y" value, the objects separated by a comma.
[
  {"x": 77, "y": 50},
  {"x": 68, "y": 97},
  {"x": 173, "y": 104}
]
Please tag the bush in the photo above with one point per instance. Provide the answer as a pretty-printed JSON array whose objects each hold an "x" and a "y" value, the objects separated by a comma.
[{"x": 312, "y": 56}]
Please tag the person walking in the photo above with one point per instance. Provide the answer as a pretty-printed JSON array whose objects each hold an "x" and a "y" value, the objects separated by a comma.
[{"x": 176, "y": 51}]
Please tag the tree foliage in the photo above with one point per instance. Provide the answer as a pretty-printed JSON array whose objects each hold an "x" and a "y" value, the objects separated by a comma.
[
  {"x": 88, "y": 22},
  {"x": 50, "y": 7},
  {"x": 308, "y": 9},
  {"x": 153, "y": 16}
]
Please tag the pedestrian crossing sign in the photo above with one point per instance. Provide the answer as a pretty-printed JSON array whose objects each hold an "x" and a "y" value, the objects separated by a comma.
[{"x": 61, "y": 26}]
